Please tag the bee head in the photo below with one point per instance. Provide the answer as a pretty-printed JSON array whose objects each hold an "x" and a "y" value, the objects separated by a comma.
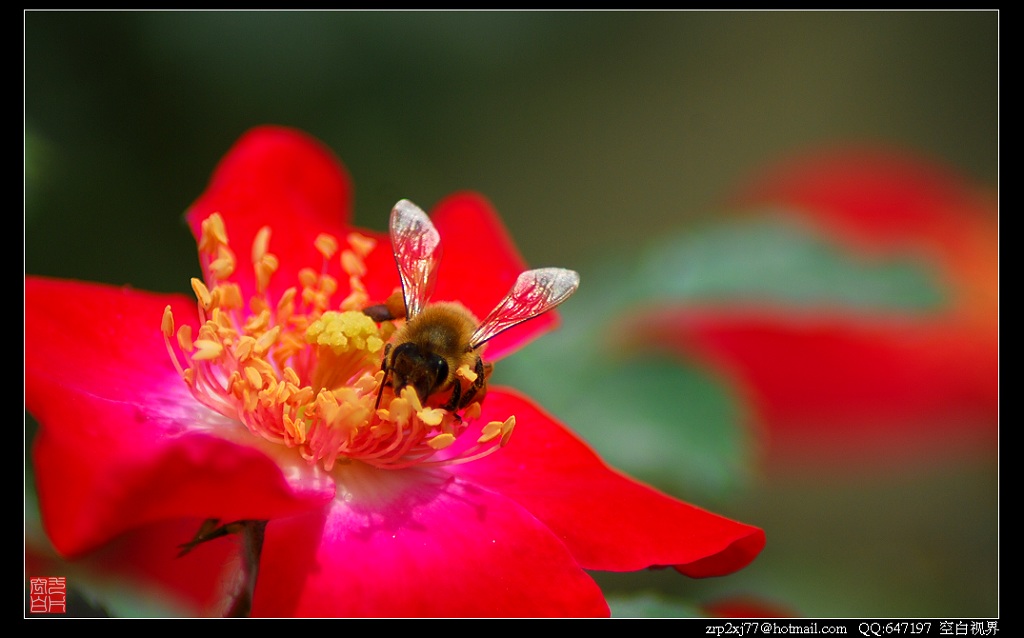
[{"x": 425, "y": 371}]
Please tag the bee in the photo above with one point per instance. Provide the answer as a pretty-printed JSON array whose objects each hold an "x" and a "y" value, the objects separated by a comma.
[{"x": 440, "y": 338}]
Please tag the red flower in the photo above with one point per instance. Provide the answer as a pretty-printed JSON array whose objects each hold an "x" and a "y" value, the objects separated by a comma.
[
  {"x": 230, "y": 410},
  {"x": 861, "y": 389},
  {"x": 746, "y": 607}
]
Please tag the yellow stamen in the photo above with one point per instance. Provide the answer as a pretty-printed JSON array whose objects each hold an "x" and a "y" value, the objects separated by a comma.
[
  {"x": 257, "y": 322},
  {"x": 185, "y": 338},
  {"x": 297, "y": 371},
  {"x": 212, "y": 233},
  {"x": 347, "y": 343},
  {"x": 308, "y": 277},
  {"x": 202, "y": 293},
  {"x": 441, "y": 441},
  {"x": 361, "y": 244},
  {"x": 245, "y": 347},
  {"x": 506, "y": 429},
  {"x": 286, "y": 305},
  {"x": 224, "y": 265},
  {"x": 490, "y": 431},
  {"x": 254, "y": 378},
  {"x": 466, "y": 373},
  {"x": 326, "y": 244},
  {"x": 351, "y": 264},
  {"x": 472, "y": 411},
  {"x": 167, "y": 324},
  {"x": 266, "y": 340},
  {"x": 265, "y": 268},
  {"x": 432, "y": 416},
  {"x": 414, "y": 399},
  {"x": 207, "y": 349},
  {"x": 260, "y": 244},
  {"x": 400, "y": 410}
]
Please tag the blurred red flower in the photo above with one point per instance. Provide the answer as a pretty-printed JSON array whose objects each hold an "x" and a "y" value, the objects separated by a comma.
[
  {"x": 148, "y": 427},
  {"x": 865, "y": 389},
  {"x": 746, "y": 607}
]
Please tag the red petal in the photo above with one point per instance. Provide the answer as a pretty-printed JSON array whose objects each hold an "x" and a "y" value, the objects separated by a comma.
[
  {"x": 854, "y": 389},
  {"x": 479, "y": 266},
  {"x": 746, "y": 607},
  {"x": 144, "y": 564},
  {"x": 419, "y": 543},
  {"x": 876, "y": 197},
  {"x": 284, "y": 179},
  {"x": 609, "y": 521},
  {"x": 122, "y": 442},
  {"x": 893, "y": 201}
]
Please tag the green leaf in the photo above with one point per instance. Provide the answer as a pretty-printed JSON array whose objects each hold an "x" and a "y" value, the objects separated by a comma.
[
  {"x": 777, "y": 259},
  {"x": 649, "y": 605}
]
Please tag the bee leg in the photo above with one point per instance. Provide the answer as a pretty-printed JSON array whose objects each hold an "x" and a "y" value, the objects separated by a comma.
[
  {"x": 454, "y": 402},
  {"x": 384, "y": 379},
  {"x": 210, "y": 530},
  {"x": 392, "y": 308},
  {"x": 251, "y": 533},
  {"x": 478, "y": 389},
  {"x": 379, "y": 313}
]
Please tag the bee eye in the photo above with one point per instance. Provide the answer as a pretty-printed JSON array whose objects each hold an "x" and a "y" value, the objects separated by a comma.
[{"x": 440, "y": 370}]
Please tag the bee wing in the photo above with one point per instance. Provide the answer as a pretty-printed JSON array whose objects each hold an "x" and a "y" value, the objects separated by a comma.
[
  {"x": 534, "y": 293},
  {"x": 417, "y": 247}
]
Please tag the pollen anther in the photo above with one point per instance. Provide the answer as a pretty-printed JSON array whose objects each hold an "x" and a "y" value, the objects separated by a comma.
[{"x": 326, "y": 244}]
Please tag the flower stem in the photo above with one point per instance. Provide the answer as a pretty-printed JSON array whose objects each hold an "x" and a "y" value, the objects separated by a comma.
[
  {"x": 252, "y": 546},
  {"x": 239, "y": 601}
]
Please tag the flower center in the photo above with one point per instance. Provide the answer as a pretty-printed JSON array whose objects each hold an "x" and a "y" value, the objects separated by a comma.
[{"x": 300, "y": 373}]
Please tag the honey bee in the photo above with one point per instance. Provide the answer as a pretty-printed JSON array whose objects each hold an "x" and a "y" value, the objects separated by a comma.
[{"x": 440, "y": 338}]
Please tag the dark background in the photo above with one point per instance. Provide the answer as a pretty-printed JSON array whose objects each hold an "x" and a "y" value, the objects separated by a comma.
[{"x": 585, "y": 129}]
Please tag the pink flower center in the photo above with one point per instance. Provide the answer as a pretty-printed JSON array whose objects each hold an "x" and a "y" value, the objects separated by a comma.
[{"x": 300, "y": 373}]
